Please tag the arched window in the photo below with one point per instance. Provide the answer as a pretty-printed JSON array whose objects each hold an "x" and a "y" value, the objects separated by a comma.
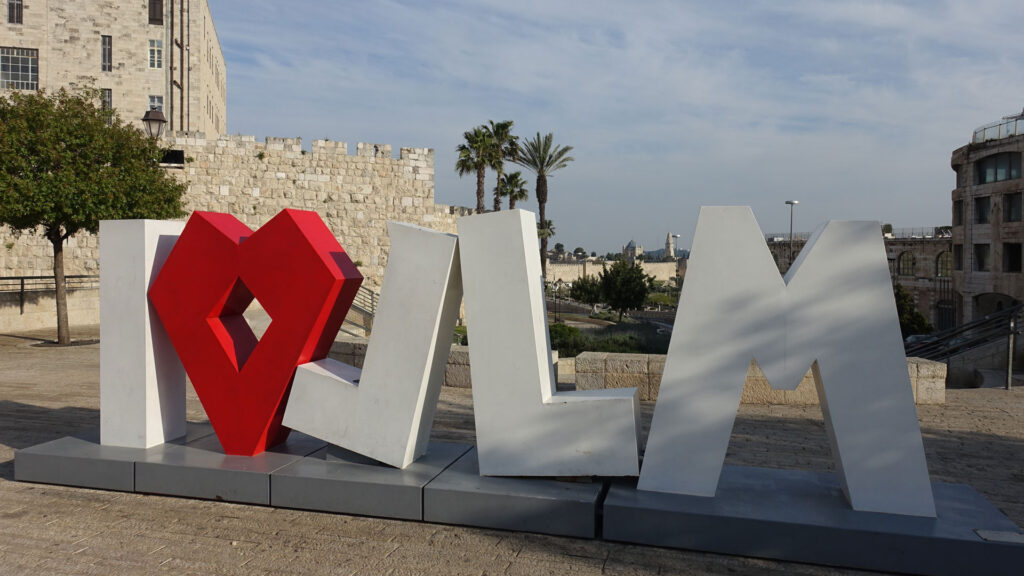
[
  {"x": 944, "y": 265},
  {"x": 905, "y": 264}
]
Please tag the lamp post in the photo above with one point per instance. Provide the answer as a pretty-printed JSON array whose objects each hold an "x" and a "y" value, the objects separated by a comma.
[
  {"x": 791, "y": 203},
  {"x": 154, "y": 121}
]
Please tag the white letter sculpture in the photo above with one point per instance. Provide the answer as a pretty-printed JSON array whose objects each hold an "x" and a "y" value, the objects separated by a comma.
[
  {"x": 834, "y": 306},
  {"x": 385, "y": 411},
  {"x": 142, "y": 382},
  {"x": 523, "y": 426}
]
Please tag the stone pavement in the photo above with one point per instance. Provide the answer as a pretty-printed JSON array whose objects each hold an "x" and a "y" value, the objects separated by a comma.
[{"x": 977, "y": 438}]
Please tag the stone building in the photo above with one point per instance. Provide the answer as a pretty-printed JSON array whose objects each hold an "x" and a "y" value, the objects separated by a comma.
[
  {"x": 988, "y": 230},
  {"x": 140, "y": 54},
  {"x": 632, "y": 251},
  {"x": 920, "y": 260}
]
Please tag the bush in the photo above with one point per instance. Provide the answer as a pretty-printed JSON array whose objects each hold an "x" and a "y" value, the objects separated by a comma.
[{"x": 461, "y": 336}]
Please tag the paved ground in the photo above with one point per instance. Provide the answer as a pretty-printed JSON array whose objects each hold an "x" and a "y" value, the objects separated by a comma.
[{"x": 45, "y": 393}]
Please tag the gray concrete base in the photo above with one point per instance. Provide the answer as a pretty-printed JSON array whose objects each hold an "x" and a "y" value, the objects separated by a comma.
[
  {"x": 81, "y": 461},
  {"x": 459, "y": 495},
  {"x": 337, "y": 480},
  {"x": 200, "y": 469},
  {"x": 803, "y": 517}
]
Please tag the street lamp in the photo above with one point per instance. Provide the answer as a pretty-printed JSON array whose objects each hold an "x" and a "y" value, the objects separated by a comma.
[
  {"x": 791, "y": 203},
  {"x": 154, "y": 121}
]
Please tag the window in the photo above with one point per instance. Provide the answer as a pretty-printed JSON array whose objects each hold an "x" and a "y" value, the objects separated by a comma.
[
  {"x": 156, "y": 103},
  {"x": 107, "y": 45},
  {"x": 958, "y": 213},
  {"x": 905, "y": 264},
  {"x": 998, "y": 167},
  {"x": 1012, "y": 257},
  {"x": 958, "y": 256},
  {"x": 1012, "y": 208},
  {"x": 982, "y": 207},
  {"x": 156, "y": 12},
  {"x": 944, "y": 265},
  {"x": 108, "y": 104},
  {"x": 156, "y": 53},
  {"x": 19, "y": 68},
  {"x": 14, "y": 11},
  {"x": 982, "y": 262}
]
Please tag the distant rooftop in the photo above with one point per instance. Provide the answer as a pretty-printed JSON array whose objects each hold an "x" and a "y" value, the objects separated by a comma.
[{"x": 1008, "y": 126}]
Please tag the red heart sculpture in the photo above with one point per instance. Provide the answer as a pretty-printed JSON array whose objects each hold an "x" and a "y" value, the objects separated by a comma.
[{"x": 299, "y": 273}]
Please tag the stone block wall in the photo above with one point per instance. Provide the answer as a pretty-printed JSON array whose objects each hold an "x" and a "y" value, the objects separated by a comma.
[
  {"x": 40, "y": 310},
  {"x": 355, "y": 195},
  {"x": 599, "y": 370}
]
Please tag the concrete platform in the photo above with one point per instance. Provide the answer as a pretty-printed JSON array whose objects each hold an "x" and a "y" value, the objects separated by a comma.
[
  {"x": 802, "y": 516},
  {"x": 200, "y": 469},
  {"x": 82, "y": 461},
  {"x": 459, "y": 495},
  {"x": 336, "y": 480}
]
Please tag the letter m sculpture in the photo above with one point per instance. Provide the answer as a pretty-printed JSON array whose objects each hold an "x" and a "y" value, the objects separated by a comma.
[{"x": 834, "y": 312}]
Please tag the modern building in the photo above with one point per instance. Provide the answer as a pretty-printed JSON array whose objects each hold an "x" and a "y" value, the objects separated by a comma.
[
  {"x": 140, "y": 54},
  {"x": 988, "y": 230}
]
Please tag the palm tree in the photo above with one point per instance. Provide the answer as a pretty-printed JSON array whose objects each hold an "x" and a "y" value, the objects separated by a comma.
[
  {"x": 513, "y": 186},
  {"x": 545, "y": 231},
  {"x": 504, "y": 146},
  {"x": 542, "y": 158},
  {"x": 474, "y": 156}
]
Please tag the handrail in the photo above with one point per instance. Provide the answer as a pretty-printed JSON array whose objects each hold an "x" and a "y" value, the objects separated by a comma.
[
  {"x": 24, "y": 284},
  {"x": 948, "y": 343}
]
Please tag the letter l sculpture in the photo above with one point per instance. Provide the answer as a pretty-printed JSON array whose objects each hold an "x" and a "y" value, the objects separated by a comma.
[{"x": 524, "y": 427}]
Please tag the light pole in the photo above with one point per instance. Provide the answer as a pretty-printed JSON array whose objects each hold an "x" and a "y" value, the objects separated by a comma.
[
  {"x": 154, "y": 121},
  {"x": 791, "y": 203}
]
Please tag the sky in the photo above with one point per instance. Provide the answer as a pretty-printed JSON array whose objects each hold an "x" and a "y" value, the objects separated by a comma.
[{"x": 850, "y": 107}]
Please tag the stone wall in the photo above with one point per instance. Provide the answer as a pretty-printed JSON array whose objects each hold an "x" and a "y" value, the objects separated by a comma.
[
  {"x": 355, "y": 195},
  {"x": 599, "y": 370},
  {"x": 570, "y": 271},
  {"x": 39, "y": 309}
]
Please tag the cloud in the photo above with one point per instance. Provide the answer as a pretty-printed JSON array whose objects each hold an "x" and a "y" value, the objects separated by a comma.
[{"x": 852, "y": 107}]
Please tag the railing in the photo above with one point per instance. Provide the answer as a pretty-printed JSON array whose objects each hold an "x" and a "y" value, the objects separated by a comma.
[
  {"x": 25, "y": 284},
  {"x": 999, "y": 129},
  {"x": 366, "y": 303},
  {"x": 784, "y": 236},
  {"x": 947, "y": 343},
  {"x": 915, "y": 233}
]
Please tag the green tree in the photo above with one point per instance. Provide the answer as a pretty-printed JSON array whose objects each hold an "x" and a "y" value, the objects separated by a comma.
[
  {"x": 504, "y": 146},
  {"x": 911, "y": 321},
  {"x": 586, "y": 289},
  {"x": 474, "y": 158},
  {"x": 624, "y": 286},
  {"x": 513, "y": 186},
  {"x": 579, "y": 253},
  {"x": 542, "y": 157},
  {"x": 66, "y": 163}
]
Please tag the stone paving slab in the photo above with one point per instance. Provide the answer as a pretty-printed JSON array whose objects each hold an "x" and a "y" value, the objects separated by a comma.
[{"x": 976, "y": 438}]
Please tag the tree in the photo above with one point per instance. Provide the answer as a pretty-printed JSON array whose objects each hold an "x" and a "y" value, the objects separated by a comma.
[
  {"x": 474, "y": 157},
  {"x": 545, "y": 231},
  {"x": 586, "y": 289},
  {"x": 542, "y": 157},
  {"x": 504, "y": 146},
  {"x": 66, "y": 163},
  {"x": 513, "y": 186},
  {"x": 579, "y": 253},
  {"x": 624, "y": 286},
  {"x": 911, "y": 321},
  {"x": 559, "y": 248}
]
